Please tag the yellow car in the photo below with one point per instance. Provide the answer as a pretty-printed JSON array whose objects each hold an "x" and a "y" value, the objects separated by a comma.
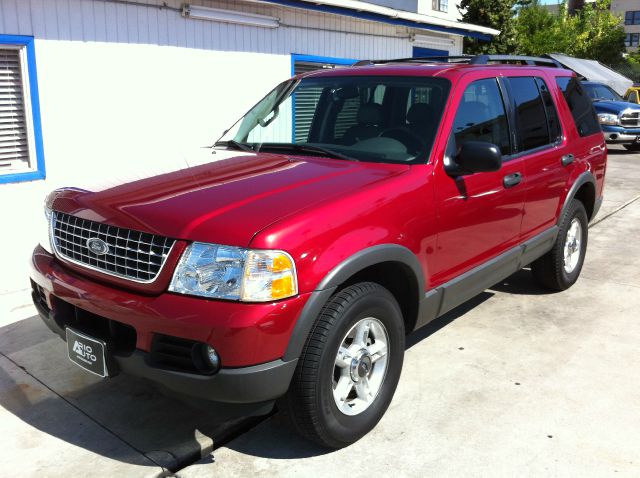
[{"x": 633, "y": 94}]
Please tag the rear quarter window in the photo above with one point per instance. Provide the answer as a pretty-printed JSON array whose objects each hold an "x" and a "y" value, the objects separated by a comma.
[{"x": 584, "y": 116}]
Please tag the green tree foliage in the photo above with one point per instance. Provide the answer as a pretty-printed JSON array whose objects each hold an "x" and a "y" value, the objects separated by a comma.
[
  {"x": 539, "y": 31},
  {"x": 528, "y": 28},
  {"x": 594, "y": 32},
  {"x": 496, "y": 14}
]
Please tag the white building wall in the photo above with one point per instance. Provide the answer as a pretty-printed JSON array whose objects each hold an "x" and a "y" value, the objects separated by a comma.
[{"x": 126, "y": 87}]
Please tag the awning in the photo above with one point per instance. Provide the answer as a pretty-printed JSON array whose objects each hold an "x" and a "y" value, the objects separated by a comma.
[
  {"x": 377, "y": 13},
  {"x": 593, "y": 70}
]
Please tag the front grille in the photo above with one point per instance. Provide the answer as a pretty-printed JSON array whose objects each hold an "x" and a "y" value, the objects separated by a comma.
[
  {"x": 630, "y": 120},
  {"x": 133, "y": 255}
]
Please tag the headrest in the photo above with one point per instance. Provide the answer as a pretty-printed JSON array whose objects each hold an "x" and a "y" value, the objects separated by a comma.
[
  {"x": 475, "y": 109},
  {"x": 370, "y": 114},
  {"x": 419, "y": 113}
]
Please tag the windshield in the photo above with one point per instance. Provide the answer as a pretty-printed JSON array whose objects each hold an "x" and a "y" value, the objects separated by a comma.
[
  {"x": 601, "y": 92},
  {"x": 362, "y": 118}
]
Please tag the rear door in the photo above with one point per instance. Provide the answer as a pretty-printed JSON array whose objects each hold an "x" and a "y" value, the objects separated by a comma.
[
  {"x": 479, "y": 214},
  {"x": 540, "y": 145}
]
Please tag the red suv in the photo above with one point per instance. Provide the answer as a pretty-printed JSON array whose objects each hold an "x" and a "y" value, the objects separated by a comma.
[{"x": 346, "y": 209}]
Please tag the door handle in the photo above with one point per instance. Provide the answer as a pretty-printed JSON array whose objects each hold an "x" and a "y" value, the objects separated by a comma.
[
  {"x": 511, "y": 180},
  {"x": 567, "y": 159}
]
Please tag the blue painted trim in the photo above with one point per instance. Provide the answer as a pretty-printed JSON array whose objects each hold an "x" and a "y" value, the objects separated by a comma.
[
  {"x": 419, "y": 51},
  {"x": 311, "y": 59},
  {"x": 40, "y": 173},
  {"x": 379, "y": 18},
  {"x": 319, "y": 59}
]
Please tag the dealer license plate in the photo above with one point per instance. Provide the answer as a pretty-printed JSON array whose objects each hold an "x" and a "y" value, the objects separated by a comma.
[{"x": 87, "y": 352}]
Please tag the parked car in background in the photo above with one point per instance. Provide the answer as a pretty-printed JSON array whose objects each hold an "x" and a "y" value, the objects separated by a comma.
[
  {"x": 633, "y": 94},
  {"x": 619, "y": 119},
  {"x": 292, "y": 269}
]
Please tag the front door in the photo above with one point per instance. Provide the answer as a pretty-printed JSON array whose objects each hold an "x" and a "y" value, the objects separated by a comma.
[{"x": 479, "y": 214}]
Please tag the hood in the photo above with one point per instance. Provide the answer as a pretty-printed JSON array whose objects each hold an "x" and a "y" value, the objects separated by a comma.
[
  {"x": 226, "y": 201},
  {"x": 614, "y": 107}
]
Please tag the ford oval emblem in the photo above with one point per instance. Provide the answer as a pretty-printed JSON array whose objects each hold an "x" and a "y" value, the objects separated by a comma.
[{"x": 97, "y": 246}]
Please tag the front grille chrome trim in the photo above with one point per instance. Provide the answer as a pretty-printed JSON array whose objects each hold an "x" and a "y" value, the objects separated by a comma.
[
  {"x": 630, "y": 118},
  {"x": 119, "y": 257}
]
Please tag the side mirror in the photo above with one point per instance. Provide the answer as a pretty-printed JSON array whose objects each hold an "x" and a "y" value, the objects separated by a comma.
[{"x": 476, "y": 157}]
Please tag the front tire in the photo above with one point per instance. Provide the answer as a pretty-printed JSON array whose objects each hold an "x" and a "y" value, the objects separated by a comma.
[
  {"x": 349, "y": 368},
  {"x": 560, "y": 268},
  {"x": 632, "y": 146}
]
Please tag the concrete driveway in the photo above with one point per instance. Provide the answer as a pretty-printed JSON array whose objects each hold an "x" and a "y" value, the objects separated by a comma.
[{"x": 517, "y": 382}]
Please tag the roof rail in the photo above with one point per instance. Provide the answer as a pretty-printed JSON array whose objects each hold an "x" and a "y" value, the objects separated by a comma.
[{"x": 471, "y": 60}]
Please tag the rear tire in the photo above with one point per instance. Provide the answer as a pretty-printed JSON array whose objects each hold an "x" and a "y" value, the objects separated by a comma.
[
  {"x": 560, "y": 268},
  {"x": 632, "y": 146},
  {"x": 349, "y": 368}
]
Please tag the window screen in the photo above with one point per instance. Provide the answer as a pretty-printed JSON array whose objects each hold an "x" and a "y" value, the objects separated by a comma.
[
  {"x": 533, "y": 130},
  {"x": 306, "y": 100},
  {"x": 481, "y": 116},
  {"x": 580, "y": 105},
  {"x": 14, "y": 115},
  {"x": 347, "y": 116}
]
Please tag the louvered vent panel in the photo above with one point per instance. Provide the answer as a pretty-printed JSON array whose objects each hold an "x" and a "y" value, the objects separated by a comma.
[
  {"x": 306, "y": 100},
  {"x": 14, "y": 144}
]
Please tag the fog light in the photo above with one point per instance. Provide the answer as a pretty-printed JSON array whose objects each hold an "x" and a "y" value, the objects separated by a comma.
[{"x": 212, "y": 357}]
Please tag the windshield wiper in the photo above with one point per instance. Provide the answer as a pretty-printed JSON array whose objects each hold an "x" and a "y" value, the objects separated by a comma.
[
  {"x": 236, "y": 145},
  {"x": 308, "y": 148}
]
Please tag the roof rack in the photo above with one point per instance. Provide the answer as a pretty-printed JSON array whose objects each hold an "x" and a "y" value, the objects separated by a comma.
[{"x": 471, "y": 60}]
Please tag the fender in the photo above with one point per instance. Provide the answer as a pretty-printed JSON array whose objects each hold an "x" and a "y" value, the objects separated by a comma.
[
  {"x": 585, "y": 177},
  {"x": 338, "y": 275}
]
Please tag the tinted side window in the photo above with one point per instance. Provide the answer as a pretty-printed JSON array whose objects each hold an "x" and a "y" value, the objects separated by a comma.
[
  {"x": 555, "y": 130},
  {"x": 580, "y": 105},
  {"x": 533, "y": 130},
  {"x": 481, "y": 116}
]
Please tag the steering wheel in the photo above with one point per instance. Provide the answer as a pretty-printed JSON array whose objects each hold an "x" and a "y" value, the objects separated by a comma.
[{"x": 408, "y": 138}]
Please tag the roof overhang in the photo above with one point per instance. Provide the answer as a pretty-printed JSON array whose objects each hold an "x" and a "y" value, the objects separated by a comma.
[
  {"x": 377, "y": 13},
  {"x": 593, "y": 70}
]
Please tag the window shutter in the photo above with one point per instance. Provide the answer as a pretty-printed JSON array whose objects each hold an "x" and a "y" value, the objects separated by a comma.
[
  {"x": 14, "y": 143},
  {"x": 306, "y": 100}
]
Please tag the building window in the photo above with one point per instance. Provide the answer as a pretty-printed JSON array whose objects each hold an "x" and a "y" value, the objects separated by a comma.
[
  {"x": 632, "y": 18},
  {"x": 21, "y": 152},
  {"x": 440, "y": 5},
  {"x": 632, "y": 39}
]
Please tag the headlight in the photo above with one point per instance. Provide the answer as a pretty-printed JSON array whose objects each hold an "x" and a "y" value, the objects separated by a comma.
[
  {"x": 45, "y": 231},
  {"x": 234, "y": 273},
  {"x": 608, "y": 118}
]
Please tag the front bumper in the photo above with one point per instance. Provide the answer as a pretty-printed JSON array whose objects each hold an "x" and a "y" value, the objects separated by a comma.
[
  {"x": 250, "y": 338},
  {"x": 618, "y": 134}
]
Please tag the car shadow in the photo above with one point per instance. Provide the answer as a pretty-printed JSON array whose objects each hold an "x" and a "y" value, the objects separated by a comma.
[
  {"x": 170, "y": 431},
  {"x": 166, "y": 428},
  {"x": 275, "y": 439},
  {"x": 521, "y": 283}
]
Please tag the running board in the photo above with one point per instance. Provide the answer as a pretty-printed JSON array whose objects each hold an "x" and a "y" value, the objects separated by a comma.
[{"x": 442, "y": 299}]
